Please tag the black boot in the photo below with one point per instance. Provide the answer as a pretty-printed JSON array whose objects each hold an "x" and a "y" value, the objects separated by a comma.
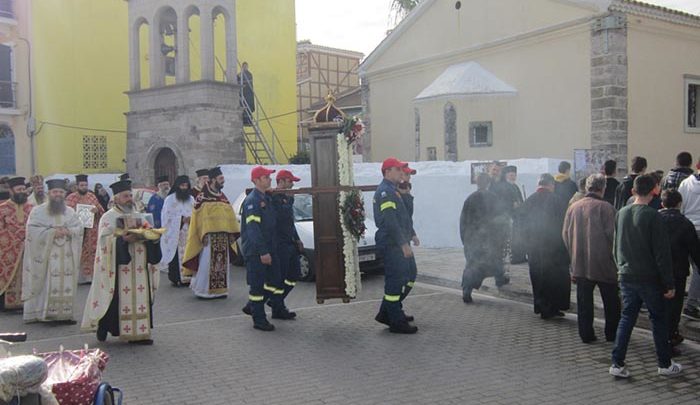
[
  {"x": 284, "y": 314},
  {"x": 403, "y": 328}
]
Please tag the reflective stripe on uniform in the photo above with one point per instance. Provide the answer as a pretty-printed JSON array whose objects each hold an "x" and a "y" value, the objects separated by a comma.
[
  {"x": 269, "y": 288},
  {"x": 290, "y": 283},
  {"x": 392, "y": 298},
  {"x": 256, "y": 298},
  {"x": 387, "y": 204},
  {"x": 251, "y": 218},
  {"x": 279, "y": 292},
  {"x": 410, "y": 284}
]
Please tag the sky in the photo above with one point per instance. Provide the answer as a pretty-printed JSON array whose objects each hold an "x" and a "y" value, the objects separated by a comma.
[{"x": 360, "y": 25}]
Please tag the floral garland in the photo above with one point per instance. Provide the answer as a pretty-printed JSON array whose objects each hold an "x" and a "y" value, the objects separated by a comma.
[{"x": 351, "y": 205}]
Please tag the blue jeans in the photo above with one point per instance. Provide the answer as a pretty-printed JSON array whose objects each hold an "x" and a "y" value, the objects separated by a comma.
[{"x": 633, "y": 295}]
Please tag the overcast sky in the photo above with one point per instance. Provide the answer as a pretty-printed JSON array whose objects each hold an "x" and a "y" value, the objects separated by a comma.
[{"x": 360, "y": 25}]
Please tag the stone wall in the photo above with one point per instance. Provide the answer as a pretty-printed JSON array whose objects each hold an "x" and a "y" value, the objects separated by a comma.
[
  {"x": 201, "y": 124},
  {"x": 609, "y": 114}
]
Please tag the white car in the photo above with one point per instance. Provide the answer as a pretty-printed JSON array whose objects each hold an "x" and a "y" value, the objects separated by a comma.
[{"x": 303, "y": 218}]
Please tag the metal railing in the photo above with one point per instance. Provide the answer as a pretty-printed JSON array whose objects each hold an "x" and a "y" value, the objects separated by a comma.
[
  {"x": 8, "y": 94},
  {"x": 262, "y": 150}
]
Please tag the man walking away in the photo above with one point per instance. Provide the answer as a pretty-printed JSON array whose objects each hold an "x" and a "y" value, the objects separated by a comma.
[
  {"x": 543, "y": 219},
  {"x": 483, "y": 244},
  {"x": 588, "y": 235},
  {"x": 611, "y": 183},
  {"x": 682, "y": 171},
  {"x": 690, "y": 207},
  {"x": 624, "y": 190},
  {"x": 564, "y": 187},
  {"x": 684, "y": 244},
  {"x": 645, "y": 271}
]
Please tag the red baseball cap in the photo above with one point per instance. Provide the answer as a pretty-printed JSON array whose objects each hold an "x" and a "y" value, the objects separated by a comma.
[
  {"x": 409, "y": 170},
  {"x": 393, "y": 162},
  {"x": 286, "y": 174},
  {"x": 259, "y": 171}
]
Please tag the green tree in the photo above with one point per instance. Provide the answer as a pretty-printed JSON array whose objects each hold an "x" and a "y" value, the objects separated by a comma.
[{"x": 401, "y": 8}]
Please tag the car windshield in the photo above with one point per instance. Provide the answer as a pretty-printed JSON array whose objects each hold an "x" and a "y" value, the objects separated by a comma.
[{"x": 303, "y": 208}]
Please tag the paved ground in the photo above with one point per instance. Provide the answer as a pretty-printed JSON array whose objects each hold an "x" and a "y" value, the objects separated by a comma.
[
  {"x": 444, "y": 267},
  {"x": 492, "y": 352}
]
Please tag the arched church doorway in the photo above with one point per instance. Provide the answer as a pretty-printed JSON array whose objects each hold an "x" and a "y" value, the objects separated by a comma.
[{"x": 165, "y": 164}]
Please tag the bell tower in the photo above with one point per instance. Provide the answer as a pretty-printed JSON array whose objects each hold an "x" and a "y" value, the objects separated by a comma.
[{"x": 183, "y": 98}]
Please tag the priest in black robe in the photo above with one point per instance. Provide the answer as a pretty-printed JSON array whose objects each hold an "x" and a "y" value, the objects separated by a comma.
[
  {"x": 482, "y": 238},
  {"x": 542, "y": 220}
]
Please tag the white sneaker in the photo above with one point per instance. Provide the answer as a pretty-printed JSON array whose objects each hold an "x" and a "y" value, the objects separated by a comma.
[
  {"x": 672, "y": 370},
  {"x": 620, "y": 372}
]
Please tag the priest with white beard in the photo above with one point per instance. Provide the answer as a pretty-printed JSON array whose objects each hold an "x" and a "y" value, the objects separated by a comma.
[
  {"x": 175, "y": 218},
  {"x": 123, "y": 287},
  {"x": 51, "y": 261}
]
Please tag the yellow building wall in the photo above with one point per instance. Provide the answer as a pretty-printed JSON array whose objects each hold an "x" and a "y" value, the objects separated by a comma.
[
  {"x": 659, "y": 55},
  {"x": 81, "y": 71}
]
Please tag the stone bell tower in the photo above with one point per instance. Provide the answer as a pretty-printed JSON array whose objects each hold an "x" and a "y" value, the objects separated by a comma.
[{"x": 181, "y": 117}]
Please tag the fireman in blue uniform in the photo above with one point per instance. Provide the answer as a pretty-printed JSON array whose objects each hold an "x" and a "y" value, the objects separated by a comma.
[
  {"x": 258, "y": 235},
  {"x": 393, "y": 245},
  {"x": 407, "y": 198},
  {"x": 289, "y": 246}
]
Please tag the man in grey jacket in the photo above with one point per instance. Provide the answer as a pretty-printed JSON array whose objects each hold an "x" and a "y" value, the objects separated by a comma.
[{"x": 588, "y": 234}]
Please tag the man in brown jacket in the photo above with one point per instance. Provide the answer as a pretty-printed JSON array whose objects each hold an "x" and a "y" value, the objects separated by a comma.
[{"x": 588, "y": 235}]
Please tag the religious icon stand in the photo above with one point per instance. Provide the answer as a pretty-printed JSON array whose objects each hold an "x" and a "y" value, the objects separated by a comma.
[{"x": 337, "y": 204}]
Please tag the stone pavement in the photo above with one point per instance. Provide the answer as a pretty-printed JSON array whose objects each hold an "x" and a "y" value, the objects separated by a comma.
[
  {"x": 444, "y": 267},
  {"x": 491, "y": 352}
]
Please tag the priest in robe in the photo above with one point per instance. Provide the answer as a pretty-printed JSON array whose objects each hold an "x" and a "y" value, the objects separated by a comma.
[
  {"x": 51, "y": 259},
  {"x": 175, "y": 217},
  {"x": 202, "y": 180},
  {"x": 38, "y": 196},
  {"x": 213, "y": 231},
  {"x": 14, "y": 214},
  {"x": 126, "y": 276},
  {"x": 86, "y": 197},
  {"x": 542, "y": 220},
  {"x": 155, "y": 203}
]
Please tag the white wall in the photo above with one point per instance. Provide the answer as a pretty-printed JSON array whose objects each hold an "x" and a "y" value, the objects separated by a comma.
[{"x": 440, "y": 189}]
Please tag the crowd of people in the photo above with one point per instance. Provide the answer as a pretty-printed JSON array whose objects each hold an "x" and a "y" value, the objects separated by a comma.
[
  {"x": 635, "y": 240},
  {"x": 53, "y": 239}
]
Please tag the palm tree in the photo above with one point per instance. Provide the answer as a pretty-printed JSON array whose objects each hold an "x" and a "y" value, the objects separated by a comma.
[{"x": 401, "y": 8}]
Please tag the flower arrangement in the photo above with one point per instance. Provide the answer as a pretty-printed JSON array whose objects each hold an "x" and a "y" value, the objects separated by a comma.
[
  {"x": 353, "y": 211},
  {"x": 350, "y": 205},
  {"x": 353, "y": 128}
]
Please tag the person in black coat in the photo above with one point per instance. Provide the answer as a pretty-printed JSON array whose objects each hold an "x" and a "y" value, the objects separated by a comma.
[
  {"x": 564, "y": 187},
  {"x": 624, "y": 190},
  {"x": 482, "y": 238},
  {"x": 684, "y": 245},
  {"x": 611, "y": 183},
  {"x": 542, "y": 217}
]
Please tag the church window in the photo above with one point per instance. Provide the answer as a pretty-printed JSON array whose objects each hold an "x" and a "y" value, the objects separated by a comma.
[
  {"x": 692, "y": 104},
  {"x": 480, "y": 134},
  {"x": 94, "y": 152}
]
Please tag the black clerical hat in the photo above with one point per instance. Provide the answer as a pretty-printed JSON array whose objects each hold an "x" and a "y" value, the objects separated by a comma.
[
  {"x": 202, "y": 172},
  {"x": 81, "y": 177},
  {"x": 15, "y": 181},
  {"x": 161, "y": 179},
  {"x": 215, "y": 172},
  {"x": 122, "y": 185},
  {"x": 56, "y": 183}
]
